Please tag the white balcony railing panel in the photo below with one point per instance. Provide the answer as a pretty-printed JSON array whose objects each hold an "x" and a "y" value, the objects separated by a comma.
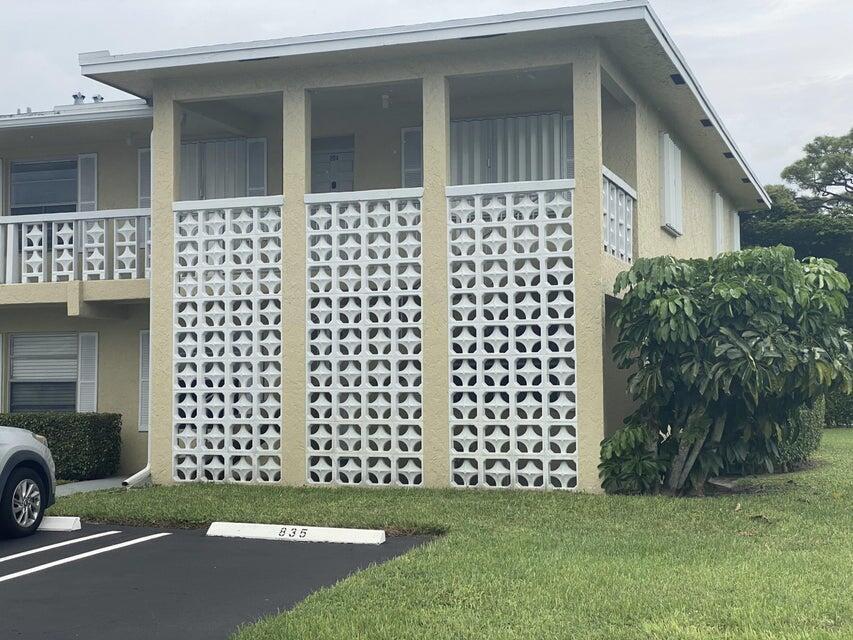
[
  {"x": 619, "y": 203},
  {"x": 85, "y": 245}
]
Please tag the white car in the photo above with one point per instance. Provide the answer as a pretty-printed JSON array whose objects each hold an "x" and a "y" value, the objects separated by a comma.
[{"x": 27, "y": 481}]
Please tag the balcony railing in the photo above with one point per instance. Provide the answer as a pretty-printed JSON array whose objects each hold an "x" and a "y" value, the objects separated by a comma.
[
  {"x": 61, "y": 247},
  {"x": 619, "y": 200}
]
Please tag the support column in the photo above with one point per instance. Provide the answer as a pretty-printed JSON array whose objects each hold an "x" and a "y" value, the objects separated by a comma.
[
  {"x": 588, "y": 242},
  {"x": 436, "y": 145},
  {"x": 165, "y": 160},
  {"x": 296, "y": 181}
]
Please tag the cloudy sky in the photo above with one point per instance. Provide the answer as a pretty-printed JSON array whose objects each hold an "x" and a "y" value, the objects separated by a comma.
[{"x": 779, "y": 72}]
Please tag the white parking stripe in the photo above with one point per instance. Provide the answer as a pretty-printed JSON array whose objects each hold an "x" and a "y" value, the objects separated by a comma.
[
  {"x": 80, "y": 556},
  {"x": 57, "y": 545}
]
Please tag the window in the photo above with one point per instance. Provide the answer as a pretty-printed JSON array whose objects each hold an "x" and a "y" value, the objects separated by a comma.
[
  {"x": 537, "y": 146},
  {"x": 53, "y": 372},
  {"x": 53, "y": 186},
  {"x": 672, "y": 219},
  {"x": 43, "y": 187},
  {"x": 719, "y": 224},
  {"x": 144, "y": 369},
  {"x": 210, "y": 169}
]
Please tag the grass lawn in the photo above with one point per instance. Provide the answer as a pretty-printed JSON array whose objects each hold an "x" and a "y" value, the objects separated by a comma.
[{"x": 516, "y": 565}]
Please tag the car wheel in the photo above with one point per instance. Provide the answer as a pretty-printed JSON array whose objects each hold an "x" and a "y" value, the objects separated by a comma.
[{"x": 22, "y": 503}]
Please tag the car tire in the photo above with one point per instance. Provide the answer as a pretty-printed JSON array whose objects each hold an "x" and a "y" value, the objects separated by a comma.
[{"x": 22, "y": 503}]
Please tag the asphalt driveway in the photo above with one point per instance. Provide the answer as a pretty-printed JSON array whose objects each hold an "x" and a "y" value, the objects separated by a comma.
[{"x": 130, "y": 582}]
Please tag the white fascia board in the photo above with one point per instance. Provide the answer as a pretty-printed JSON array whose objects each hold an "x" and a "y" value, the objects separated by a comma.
[
  {"x": 78, "y": 114},
  {"x": 98, "y": 62},
  {"x": 678, "y": 60}
]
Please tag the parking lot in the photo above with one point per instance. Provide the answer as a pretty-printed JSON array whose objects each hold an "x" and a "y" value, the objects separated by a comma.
[{"x": 131, "y": 582}]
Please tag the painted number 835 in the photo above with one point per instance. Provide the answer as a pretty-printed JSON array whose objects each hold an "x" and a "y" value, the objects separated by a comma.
[{"x": 292, "y": 532}]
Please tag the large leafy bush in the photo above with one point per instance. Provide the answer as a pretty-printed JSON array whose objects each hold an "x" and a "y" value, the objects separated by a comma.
[
  {"x": 85, "y": 446},
  {"x": 724, "y": 353}
]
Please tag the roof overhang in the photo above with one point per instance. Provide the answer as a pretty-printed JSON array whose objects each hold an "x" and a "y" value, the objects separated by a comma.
[{"x": 136, "y": 72}]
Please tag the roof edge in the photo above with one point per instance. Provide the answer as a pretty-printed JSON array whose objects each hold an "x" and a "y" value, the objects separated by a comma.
[
  {"x": 71, "y": 114},
  {"x": 95, "y": 62}
]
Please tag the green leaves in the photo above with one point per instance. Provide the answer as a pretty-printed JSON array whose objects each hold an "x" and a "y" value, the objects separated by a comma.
[{"x": 724, "y": 352}]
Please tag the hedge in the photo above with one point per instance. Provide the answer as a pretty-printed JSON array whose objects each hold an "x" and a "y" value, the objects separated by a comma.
[
  {"x": 839, "y": 410},
  {"x": 85, "y": 446},
  {"x": 803, "y": 435}
]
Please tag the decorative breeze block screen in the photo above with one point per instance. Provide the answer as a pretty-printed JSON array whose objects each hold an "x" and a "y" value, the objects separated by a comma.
[
  {"x": 364, "y": 342},
  {"x": 227, "y": 345},
  {"x": 512, "y": 340}
]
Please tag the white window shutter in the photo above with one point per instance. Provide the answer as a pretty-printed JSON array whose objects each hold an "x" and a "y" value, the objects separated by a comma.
[
  {"x": 87, "y": 182},
  {"x": 671, "y": 188},
  {"x": 719, "y": 224},
  {"x": 256, "y": 167},
  {"x": 144, "y": 179},
  {"x": 735, "y": 231},
  {"x": 144, "y": 373},
  {"x": 412, "y": 157},
  {"x": 87, "y": 373}
]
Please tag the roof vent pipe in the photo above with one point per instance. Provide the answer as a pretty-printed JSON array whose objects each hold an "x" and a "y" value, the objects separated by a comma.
[{"x": 78, "y": 98}]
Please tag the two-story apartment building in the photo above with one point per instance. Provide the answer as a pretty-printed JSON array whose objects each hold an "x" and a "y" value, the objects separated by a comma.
[{"x": 381, "y": 257}]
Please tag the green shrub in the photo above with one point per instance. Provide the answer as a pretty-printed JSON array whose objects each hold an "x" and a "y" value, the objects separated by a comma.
[
  {"x": 85, "y": 446},
  {"x": 839, "y": 410},
  {"x": 802, "y": 438},
  {"x": 724, "y": 352},
  {"x": 631, "y": 462}
]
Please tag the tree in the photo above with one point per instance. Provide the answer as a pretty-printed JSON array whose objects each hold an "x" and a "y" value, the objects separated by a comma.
[
  {"x": 816, "y": 216},
  {"x": 724, "y": 351},
  {"x": 824, "y": 176}
]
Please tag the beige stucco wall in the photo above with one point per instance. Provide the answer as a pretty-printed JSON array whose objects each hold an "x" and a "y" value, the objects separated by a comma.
[
  {"x": 116, "y": 144},
  {"x": 118, "y": 363}
]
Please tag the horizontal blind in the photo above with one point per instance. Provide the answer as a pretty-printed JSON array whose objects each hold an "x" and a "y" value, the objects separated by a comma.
[{"x": 43, "y": 357}]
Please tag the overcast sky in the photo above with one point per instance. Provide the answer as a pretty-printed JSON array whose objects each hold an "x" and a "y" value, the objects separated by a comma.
[{"x": 779, "y": 72}]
